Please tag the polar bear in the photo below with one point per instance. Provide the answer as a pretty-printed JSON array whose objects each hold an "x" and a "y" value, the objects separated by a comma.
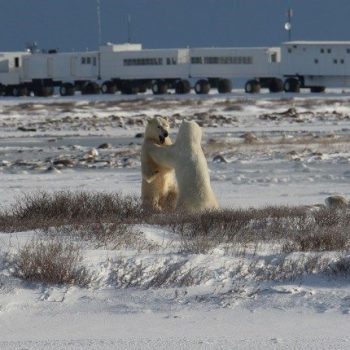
[
  {"x": 158, "y": 189},
  {"x": 191, "y": 169}
]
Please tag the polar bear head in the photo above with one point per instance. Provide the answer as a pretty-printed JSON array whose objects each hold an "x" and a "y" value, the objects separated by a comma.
[
  {"x": 189, "y": 131},
  {"x": 157, "y": 129}
]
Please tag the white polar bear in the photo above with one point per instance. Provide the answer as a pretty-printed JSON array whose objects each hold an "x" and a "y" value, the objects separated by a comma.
[
  {"x": 191, "y": 169},
  {"x": 158, "y": 191}
]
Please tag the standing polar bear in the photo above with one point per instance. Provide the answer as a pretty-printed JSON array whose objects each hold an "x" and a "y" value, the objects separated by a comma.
[
  {"x": 158, "y": 190},
  {"x": 191, "y": 169}
]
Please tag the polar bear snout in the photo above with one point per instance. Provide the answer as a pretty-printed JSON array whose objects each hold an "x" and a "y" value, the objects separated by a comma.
[{"x": 164, "y": 133}]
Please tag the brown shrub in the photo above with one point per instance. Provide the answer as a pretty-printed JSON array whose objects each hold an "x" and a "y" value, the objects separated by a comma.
[{"x": 50, "y": 261}]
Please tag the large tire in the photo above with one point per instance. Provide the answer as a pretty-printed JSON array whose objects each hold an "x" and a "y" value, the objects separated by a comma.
[
  {"x": 252, "y": 87},
  {"x": 275, "y": 85},
  {"x": 182, "y": 87},
  {"x": 317, "y": 89},
  {"x": 20, "y": 90},
  {"x": 224, "y": 86},
  {"x": 108, "y": 87},
  {"x": 90, "y": 88},
  {"x": 292, "y": 85},
  {"x": 143, "y": 88},
  {"x": 159, "y": 87},
  {"x": 202, "y": 87},
  {"x": 43, "y": 91},
  {"x": 67, "y": 89},
  {"x": 129, "y": 89}
]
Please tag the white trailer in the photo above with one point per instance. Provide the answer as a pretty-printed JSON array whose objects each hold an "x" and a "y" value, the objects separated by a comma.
[
  {"x": 69, "y": 71},
  {"x": 132, "y": 69},
  {"x": 218, "y": 66},
  {"x": 10, "y": 70},
  {"x": 315, "y": 65}
]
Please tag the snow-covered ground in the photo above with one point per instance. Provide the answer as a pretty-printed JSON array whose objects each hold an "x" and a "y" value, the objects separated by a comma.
[{"x": 261, "y": 150}]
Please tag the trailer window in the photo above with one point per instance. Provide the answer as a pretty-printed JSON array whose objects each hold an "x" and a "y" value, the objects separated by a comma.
[
  {"x": 196, "y": 60},
  {"x": 83, "y": 61},
  {"x": 335, "y": 61},
  {"x": 316, "y": 60},
  {"x": 16, "y": 62},
  {"x": 170, "y": 61},
  {"x": 88, "y": 60},
  {"x": 347, "y": 50},
  {"x": 143, "y": 61},
  {"x": 94, "y": 61},
  {"x": 228, "y": 60},
  {"x": 342, "y": 61},
  {"x": 322, "y": 50},
  {"x": 289, "y": 50},
  {"x": 329, "y": 50},
  {"x": 273, "y": 57}
]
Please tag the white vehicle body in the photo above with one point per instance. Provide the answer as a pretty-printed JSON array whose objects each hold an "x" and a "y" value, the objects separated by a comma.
[
  {"x": 234, "y": 62},
  {"x": 130, "y": 61},
  {"x": 319, "y": 63},
  {"x": 132, "y": 69},
  {"x": 64, "y": 67},
  {"x": 10, "y": 67}
]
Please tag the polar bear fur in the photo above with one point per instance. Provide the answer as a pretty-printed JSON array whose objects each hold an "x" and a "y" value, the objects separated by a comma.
[
  {"x": 191, "y": 169},
  {"x": 158, "y": 190}
]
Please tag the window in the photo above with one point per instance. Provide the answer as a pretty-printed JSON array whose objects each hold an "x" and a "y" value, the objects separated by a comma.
[
  {"x": 196, "y": 60},
  {"x": 83, "y": 61},
  {"x": 342, "y": 61},
  {"x": 289, "y": 50},
  {"x": 322, "y": 50},
  {"x": 347, "y": 50},
  {"x": 143, "y": 61},
  {"x": 274, "y": 57},
  {"x": 316, "y": 60},
  {"x": 16, "y": 62},
  {"x": 170, "y": 60},
  {"x": 94, "y": 61},
  {"x": 88, "y": 60},
  {"x": 335, "y": 61},
  {"x": 329, "y": 50},
  {"x": 228, "y": 60}
]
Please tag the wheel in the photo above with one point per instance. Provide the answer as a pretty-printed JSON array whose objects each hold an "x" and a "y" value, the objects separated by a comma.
[
  {"x": 224, "y": 86},
  {"x": 182, "y": 87},
  {"x": 276, "y": 85},
  {"x": 108, "y": 87},
  {"x": 159, "y": 87},
  {"x": 202, "y": 87},
  {"x": 67, "y": 89},
  {"x": 90, "y": 88},
  {"x": 291, "y": 85},
  {"x": 317, "y": 89},
  {"x": 43, "y": 91},
  {"x": 142, "y": 88},
  {"x": 129, "y": 89},
  {"x": 252, "y": 87},
  {"x": 20, "y": 90}
]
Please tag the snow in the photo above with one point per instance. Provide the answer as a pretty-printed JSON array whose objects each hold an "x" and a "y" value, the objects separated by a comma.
[{"x": 203, "y": 301}]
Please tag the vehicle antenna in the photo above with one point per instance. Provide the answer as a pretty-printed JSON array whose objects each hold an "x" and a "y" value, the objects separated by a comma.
[
  {"x": 288, "y": 24},
  {"x": 99, "y": 26},
  {"x": 129, "y": 29}
]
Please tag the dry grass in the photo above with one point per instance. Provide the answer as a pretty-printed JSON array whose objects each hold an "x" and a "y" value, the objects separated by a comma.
[
  {"x": 42, "y": 210},
  {"x": 107, "y": 220},
  {"x": 51, "y": 261}
]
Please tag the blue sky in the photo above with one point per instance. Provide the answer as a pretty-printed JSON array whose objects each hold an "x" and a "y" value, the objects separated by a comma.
[{"x": 72, "y": 24}]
